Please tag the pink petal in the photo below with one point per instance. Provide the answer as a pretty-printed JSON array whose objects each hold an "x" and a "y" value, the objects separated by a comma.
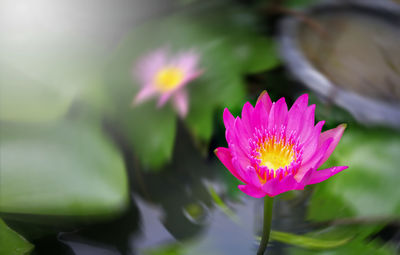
[
  {"x": 240, "y": 163},
  {"x": 314, "y": 160},
  {"x": 180, "y": 102},
  {"x": 335, "y": 134},
  {"x": 149, "y": 65},
  {"x": 278, "y": 114},
  {"x": 275, "y": 186},
  {"x": 270, "y": 187},
  {"x": 163, "y": 99},
  {"x": 226, "y": 158},
  {"x": 228, "y": 119},
  {"x": 242, "y": 136},
  {"x": 265, "y": 100},
  {"x": 187, "y": 61},
  {"x": 307, "y": 123},
  {"x": 144, "y": 94},
  {"x": 251, "y": 191},
  {"x": 305, "y": 179},
  {"x": 296, "y": 113},
  {"x": 191, "y": 76},
  {"x": 247, "y": 113},
  {"x": 237, "y": 141},
  {"x": 322, "y": 175},
  {"x": 311, "y": 145},
  {"x": 300, "y": 104},
  {"x": 251, "y": 177},
  {"x": 260, "y": 115}
]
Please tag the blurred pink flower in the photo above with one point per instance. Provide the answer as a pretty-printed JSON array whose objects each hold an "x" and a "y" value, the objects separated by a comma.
[
  {"x": 273, "y": 150},
  {"x": 167, "y": 77}
]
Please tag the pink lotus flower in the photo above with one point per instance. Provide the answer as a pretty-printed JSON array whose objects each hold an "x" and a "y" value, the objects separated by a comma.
[
  {"x": 273, "y": 150},
  {"x": 167, "y": 77}
]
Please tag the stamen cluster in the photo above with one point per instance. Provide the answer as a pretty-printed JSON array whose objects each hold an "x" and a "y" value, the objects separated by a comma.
[{"x": 273, "y": 154}]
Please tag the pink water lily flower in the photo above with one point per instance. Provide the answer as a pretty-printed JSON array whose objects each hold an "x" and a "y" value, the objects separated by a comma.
[
  {"x": 273, "y": 150},
  {"x": 166, "y": 77}
]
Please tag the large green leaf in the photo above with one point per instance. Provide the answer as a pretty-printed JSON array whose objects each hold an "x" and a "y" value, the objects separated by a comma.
[
  {"x": 11, "y": 243},
  {"x": 151, "y": 132},
  {"x": 369, "y": 188},
  {"x": 40, "y": 80},
  {"x": 26, "y": 99},
  {"x": 68, "y": 169}
]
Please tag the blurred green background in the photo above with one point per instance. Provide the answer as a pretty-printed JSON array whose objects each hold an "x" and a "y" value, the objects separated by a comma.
[{"x": 83, "y": 172}]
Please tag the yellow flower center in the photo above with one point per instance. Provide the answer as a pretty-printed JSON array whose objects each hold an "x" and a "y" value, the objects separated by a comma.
[
  {"x": 168, "y": 78},
  {"x": 275, "y": 155}
]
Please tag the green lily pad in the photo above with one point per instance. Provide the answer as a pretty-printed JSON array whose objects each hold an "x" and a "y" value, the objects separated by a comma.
[
  {"x": 369, "y": 188},
  {"x": 24, "y": 99},
  {"x": 11, "y": 243},
  {"x": 40, "y": 80},
  {"x": 64, "y": 169},
  {"x": 151, "y": 132}
]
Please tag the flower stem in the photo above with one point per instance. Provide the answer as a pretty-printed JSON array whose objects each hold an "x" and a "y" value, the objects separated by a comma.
[{"x": 268, "y": 204}]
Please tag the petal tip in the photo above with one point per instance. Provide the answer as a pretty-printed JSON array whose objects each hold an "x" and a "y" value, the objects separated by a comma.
[
  {"x": 304, "y": 97},
  {"x": 228, "y": 118},
  {"x": 343, "y": 126},
  {"x": 262, "y": 95},
  {"x": 226, "y": 111}
]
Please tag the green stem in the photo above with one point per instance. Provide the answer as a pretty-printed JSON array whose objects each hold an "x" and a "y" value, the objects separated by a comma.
[{"x": 268, "y": 204}]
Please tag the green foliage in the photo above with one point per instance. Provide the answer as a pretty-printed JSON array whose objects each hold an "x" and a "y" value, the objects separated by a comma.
[
  {"x": 335, "y": 240},
  {"x": 24, "y": 99},
  {"x": 357, "y": 244},
  {"x": 64, "y": 169},
  {"x": 306, "y": 241},
  {"x": 11, "y": 243},
  {"x": 229, "y": 47},
  {"x": 151, "y": 132},
  {"x": 222, "y": 205},
  {"x": 369, "y": 188},
  {"x": 170, "y": 249},
  {"x": 39, "y": 81}
]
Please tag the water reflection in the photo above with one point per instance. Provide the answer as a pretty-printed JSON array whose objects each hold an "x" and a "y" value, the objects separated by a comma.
[
  {"x": 178, "y": 187},
  {"x": 112, "y": 236}
]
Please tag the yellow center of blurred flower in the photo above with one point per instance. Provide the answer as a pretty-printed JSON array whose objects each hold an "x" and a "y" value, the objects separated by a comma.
[
  {"x": 168, "y": 78},
  {"x": 275, "y": 155}
]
